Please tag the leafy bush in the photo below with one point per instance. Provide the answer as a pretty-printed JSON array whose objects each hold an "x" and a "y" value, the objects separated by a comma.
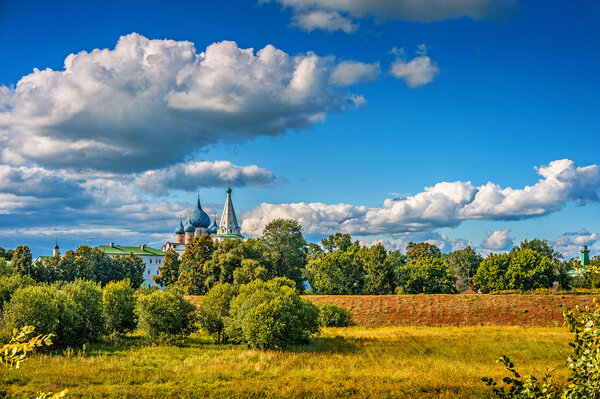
[
  {"x": 164, "y": 315},
  {"x": 119, "y": 307},
  {"x": 214, "y": 309},
  {"x": 331, "y": 315},
  {"x": 584, "y": 363},
  {"x": 73, "y": 314},
  {"x": 9, "y": 284},
  {"x": 80, "y": 313},
  {"x": 33, "y": 306},
  {"x": 271, "y": 315}
]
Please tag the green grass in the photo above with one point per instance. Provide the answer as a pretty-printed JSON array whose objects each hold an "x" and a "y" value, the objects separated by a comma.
[{"x": 398, "y": 362}]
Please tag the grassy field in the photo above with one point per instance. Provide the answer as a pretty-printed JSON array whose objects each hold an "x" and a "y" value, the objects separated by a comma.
[{"x": 393, "y": 362}]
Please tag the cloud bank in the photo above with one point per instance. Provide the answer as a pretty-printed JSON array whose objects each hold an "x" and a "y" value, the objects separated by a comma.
[
  {"x": 446, "y": 204},
  {"x": 116, "y": 109},
  {"x": 342, "y": 15}
]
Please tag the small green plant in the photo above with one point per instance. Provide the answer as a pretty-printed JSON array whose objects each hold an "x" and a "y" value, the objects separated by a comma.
[
  {"x": 331, "y": 315},
  {"x": 15, "y": 352},
  {"x": 584, "y": 382}
]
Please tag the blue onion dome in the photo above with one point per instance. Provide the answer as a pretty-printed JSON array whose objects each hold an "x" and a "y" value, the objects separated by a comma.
[
  {"x": 212, "y": 229},
  {"x": 189, "y": 228},
  {"x": 198, "y": 217},
  {"x": 180, "y": 229}
]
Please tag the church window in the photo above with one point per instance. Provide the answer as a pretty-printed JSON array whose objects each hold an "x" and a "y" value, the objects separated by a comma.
[{"x": 150, "y": 261}]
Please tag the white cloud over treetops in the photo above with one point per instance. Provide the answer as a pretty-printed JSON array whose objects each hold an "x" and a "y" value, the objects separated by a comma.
[
  {"x": 498, "y": 240},
  {"x": 147, "y": 104},
  {"x": 332, "y": 15},
  {"x": 445, "y": 204}
]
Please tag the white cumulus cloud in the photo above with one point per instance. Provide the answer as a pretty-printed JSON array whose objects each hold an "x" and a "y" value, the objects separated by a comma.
[
  {"x": 446, "y": 204},
  {"x": 147, "y": 104},
  {"x": 497, "y": 240},
  {"x": 419, "y": 71},
  {"x": 347, "y": 73},
  {"x": 190, "y": 175},
  {"x": 324, "y": 20}
]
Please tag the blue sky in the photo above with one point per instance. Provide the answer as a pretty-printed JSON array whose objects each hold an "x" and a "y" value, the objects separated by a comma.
[{"x": 484, "y": 92}]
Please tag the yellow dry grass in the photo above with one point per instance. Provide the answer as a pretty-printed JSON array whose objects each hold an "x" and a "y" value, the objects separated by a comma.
[{"x": 358, "y": 362}]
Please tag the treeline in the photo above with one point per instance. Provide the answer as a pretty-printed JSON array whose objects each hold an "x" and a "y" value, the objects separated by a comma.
[
  {"x": 336, "y": 266},
  {"x": 341, "y": 266},
  {"x": 85, "y": 263}
]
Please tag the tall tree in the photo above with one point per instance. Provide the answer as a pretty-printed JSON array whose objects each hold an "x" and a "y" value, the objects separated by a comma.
[
  {"x": 464, "y": 264},
  {"x": 285, "y": 250},
  {"x": 542, "y": 247},
  {"x": 427, "y": 275},
  {"x": 337, "y": 242},
  {"x": 130, "y": 267},
  {"x": 168, "y": 272},
  {"x": 416, "y": 251},
  {"x": 491, "y": 275},
  {"x": 192, "y": 278},
  {"x": 379, "y": 274},
  {"x": 22, "y": 261}
]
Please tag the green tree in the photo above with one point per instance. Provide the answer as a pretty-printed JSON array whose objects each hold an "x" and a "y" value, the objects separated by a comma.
[
  {"x": 164, "y": 315},
  {"x": 416, "y": 251},
  {"x": 464, "y": 264},
  {"x": 81, "y": 317},
  {"x": 129, "y": 267},
  {"x": 592, "y": 272},
  {"x": 192, "y": 278},
  {"x": 379, "y": 272},
  {"x": 213, "y": 310},
  {"x": 22, "y": 261},
  {"x": 10, "y": 284},
  {"x": 542, "y": 247},
  {"x": 88, "y": 263},
  {"x": 285, "y": 250},
  {"x": 337, "y": 242},
  {"x": 5, "y": 268},
  {"x": 6, "y": 253},
  {"x": 491, "y": 275},
  {"x": 33, "y": 305},
  {"x": 528, "y": 270},
  {"x": 249, "y": 271},
  {"x": 427, "y": 275},
  {"x": 119, "y": 307},
  {"x": 168, "y": 272},
  {"x": 336, "y": 273},
  {"x": 271, "y": 315}
]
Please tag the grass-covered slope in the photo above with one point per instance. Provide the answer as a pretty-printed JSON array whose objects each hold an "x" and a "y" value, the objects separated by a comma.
[{"x": 355, "y": 362}]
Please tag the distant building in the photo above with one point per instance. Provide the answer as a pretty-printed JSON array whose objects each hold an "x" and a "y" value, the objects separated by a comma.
[
  {"x": 199, "y": 224},
  {"x": 152, "y": 257}
]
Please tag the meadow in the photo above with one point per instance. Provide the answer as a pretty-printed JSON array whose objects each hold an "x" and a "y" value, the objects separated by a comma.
[{"x": 393, "y": 362}]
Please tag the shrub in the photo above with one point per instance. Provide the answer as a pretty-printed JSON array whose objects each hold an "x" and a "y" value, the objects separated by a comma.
[
  {"x": 271, "y": 315},
  {"x": 33, "y": 306},
  {"x": 165, "y": 315},
  {"x": 584, "y": 363},
  {"x": 119, "y": 307},
  {"x": 331, "y": 315},
  {"x": 9, "y": 284},
  {"x": 80, "y": 313},
  {"x": 214, "y": 309}
]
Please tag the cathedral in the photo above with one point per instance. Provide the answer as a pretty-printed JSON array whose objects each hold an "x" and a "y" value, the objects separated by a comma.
[{"x": 198, "y": 223}]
